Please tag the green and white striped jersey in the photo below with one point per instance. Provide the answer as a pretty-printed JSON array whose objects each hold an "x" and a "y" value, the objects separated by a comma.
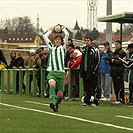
[
  {"x": 56, "y": 55},
  {"x": 56, "y": 59}
]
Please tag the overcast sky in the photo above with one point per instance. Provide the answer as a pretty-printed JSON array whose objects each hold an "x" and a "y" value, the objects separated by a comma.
[{"x": 66, "y": 12}]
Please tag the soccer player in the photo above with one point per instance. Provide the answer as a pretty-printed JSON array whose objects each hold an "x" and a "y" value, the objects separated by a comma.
[{"x": 56, "y": 76}]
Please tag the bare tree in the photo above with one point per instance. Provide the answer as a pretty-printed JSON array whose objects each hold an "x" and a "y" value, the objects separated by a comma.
[{"x": 18, "y": 24}]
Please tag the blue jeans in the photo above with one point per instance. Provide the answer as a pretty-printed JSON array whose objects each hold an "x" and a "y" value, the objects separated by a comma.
[{"x": 106, "y": 84}]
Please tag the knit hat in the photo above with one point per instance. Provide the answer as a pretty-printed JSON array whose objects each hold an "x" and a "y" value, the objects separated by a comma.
[
  {"x": 118, "y": 41},
  {"x": 106, "y": 43},
  {"x": 130, "y": 45},
  {"x": 77, "y": 47}
]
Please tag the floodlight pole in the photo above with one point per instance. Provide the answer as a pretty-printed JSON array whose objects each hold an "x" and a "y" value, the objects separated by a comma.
[
  {"x": 109, "y": 24},
  {"x": 121, "y": 32}
]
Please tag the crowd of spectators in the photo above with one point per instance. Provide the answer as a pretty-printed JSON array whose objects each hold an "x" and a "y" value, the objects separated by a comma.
[{"x": 112, "y": 68}]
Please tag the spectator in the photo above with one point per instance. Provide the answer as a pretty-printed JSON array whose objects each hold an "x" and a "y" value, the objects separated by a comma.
[
  {"x": 31, "y": 62},
  {"x": 128, "y": 73},
  {"x": 19, "y": 62},
  {"x": 89, "y": 69},
  {"x": 116, "y": 72},
  {"x": 12, "y": 56},
  {"x": 106, "y": 80},
  {"x": 77, "y": 55},
  {"x": 67, "y": 74},
  {"x": 67, "y": 55},
  {"x": 39, "y": 50},
  {"x": 42, "y": 63},
  {"x": 56, "y": 76}
]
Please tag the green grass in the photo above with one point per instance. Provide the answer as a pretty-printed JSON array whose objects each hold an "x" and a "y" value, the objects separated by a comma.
[{"x": 15, "y": 120}]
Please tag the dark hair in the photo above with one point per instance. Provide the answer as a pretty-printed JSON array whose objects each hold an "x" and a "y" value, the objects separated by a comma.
[
  {"x": 88, "y": 37},
  {"x": 11, "y": 54},
  {"x": 71, "y": 45},
  {"x": 59, "y": 36},
  {"x": 40, "y": 54},
  {"x": 69, "y": 39}
]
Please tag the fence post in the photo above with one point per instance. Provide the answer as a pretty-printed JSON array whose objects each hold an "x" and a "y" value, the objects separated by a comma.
[
  {"x": 14, "y": 80},
  {"x": 20, "y": 80},
  {"x": 81, "y": 87},
  {"x": 8, "y": 80},
  {"x": 27, "y": 80},
  {"x": 70, "y": 83},
  {"x": 2, "y": 80},
  {"x": 34, "y": 82},
  {"x": 42, "y": 81}
]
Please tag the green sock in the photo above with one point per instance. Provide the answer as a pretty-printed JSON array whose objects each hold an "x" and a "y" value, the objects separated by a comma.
[
  {"x": 52, "y": 95},
  {"x": 59, "y": 99}
]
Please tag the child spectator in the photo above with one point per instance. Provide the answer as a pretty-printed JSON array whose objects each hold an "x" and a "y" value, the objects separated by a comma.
[{"x": 77, "y": 55}]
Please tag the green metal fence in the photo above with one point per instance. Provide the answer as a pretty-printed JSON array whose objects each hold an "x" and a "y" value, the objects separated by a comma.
[{"x": 11, "y": 74}]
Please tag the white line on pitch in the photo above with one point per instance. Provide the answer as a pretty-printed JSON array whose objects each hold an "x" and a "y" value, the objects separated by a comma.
[
  {"x": 70, "y": 117},
  {"x": 125, "y": 117},
  {"x": 37, "y": 103}
]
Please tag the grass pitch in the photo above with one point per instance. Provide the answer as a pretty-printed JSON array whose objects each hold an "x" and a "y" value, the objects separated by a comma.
[{"x": 27, "y": 114}]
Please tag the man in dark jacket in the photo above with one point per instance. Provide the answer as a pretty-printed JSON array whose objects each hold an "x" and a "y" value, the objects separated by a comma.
[
  {"x": 116, "y": 72},
  {"x": 89, "y": 70}
]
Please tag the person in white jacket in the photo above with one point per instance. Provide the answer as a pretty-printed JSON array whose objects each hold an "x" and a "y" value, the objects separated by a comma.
[{"x": 56, "y": 76}]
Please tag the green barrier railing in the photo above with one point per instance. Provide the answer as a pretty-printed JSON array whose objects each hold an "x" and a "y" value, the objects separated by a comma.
[
  {"x": 81, "y": 89},
  {"x": 2, "y": 81},
  {"x": 27, "y": 80},
  {"x": 11, "y": 73}
]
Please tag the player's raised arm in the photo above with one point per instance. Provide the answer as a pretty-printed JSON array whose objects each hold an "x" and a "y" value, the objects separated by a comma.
[{"x": 46, "y": 39}]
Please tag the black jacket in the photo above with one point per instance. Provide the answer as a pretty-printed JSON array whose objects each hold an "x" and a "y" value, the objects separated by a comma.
[
  {"x": 18, "y": 62},
  {"x": 12, "y": 63},
  {"x": 117, "y": 66},
  {"x": 93, "y": 61}
]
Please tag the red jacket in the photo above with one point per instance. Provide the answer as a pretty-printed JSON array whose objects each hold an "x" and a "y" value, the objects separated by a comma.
[
  {"x": 77, "y": 59},
  {"x": 76, "y": 62}
]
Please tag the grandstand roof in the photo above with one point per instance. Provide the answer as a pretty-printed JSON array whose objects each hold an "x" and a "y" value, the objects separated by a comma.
[{"x": 125, "y": 17}]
